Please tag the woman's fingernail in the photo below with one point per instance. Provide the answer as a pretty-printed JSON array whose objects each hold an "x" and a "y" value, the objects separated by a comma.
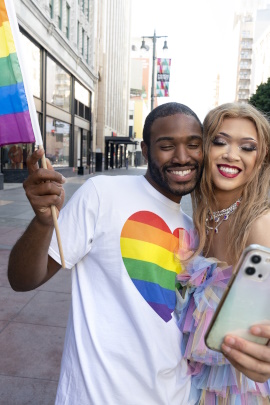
[
  {"x": 226, "y": 349},
  {"x": 230, "y": 340},
  {"x": 256, "y": 330}
]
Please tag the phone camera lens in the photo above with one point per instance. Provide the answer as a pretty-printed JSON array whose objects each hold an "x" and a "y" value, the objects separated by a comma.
[
  {"x": 250, "y": 271},
  {"x": 256, "y": 259}
]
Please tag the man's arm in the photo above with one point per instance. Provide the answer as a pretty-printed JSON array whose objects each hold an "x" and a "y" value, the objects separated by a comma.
[{"x": 29, "y": 263}]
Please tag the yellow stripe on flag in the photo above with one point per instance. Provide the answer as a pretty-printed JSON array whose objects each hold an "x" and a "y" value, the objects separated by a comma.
[
  {"x": 7, "y": 45},
  {"x": 148, "y": 252}
]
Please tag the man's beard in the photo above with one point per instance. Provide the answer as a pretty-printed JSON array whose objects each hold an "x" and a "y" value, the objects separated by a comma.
[{"x": 160, "y": 177}]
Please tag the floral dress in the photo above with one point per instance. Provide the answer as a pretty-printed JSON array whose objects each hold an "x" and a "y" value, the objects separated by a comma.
[{"x": 214, "y": 380}]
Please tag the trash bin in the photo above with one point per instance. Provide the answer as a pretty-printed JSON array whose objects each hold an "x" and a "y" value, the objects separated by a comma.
[
  {"x": 81, "y": 170},
  {"x": 1, "y": 181},
  {"x": 98, "y": 162}
]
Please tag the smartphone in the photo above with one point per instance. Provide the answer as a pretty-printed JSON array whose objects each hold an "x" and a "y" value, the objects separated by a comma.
[{"x": 246, "y": 301}]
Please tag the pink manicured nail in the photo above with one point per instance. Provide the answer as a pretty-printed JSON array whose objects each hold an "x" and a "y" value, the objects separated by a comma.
[
  {"x": 226, "y": 349},
  {"x": 256, "y": 330},
  {"x": 230, "y": 341}
]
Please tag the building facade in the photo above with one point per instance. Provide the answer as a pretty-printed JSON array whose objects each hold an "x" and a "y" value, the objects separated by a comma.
[
  {"x": 245, "y": 27},
  {"x": 253, "y": 68},
  {"x": 261, "y": 46},
  {"x": 77, "y": 54},
  {"x": 113, "y": 61}
]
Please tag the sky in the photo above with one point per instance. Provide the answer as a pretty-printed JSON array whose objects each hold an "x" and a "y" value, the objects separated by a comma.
[{"x": 200, "y": 44}]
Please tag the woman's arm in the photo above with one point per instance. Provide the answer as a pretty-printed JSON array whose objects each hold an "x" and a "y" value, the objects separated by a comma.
[
  {"x": 260, "y": 231},
  {"x": 250, "y": 358}
]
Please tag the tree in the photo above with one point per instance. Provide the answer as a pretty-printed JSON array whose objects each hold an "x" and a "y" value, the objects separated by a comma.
[{"x": 261, "y": 99}]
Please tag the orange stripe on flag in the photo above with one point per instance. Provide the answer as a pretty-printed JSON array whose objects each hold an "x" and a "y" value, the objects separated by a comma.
[
  {"x": 143, "y": 232},
  {"x": 3, "y": 12}
]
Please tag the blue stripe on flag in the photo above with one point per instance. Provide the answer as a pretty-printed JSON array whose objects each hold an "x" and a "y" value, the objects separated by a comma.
[
  {"x": 13, "y": 99},
  {"x": 152, "y": 292}
]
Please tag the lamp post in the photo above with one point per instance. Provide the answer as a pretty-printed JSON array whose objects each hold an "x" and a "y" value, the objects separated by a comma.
[{"x": 146, "y": 47}]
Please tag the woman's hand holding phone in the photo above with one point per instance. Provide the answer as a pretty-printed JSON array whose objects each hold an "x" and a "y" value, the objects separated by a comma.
[{"x": 252, "y": 359}]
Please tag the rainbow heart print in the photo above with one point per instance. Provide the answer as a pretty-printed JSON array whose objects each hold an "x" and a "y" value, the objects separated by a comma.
[
  {"x": 15, "y": 121},
  {"x": 148, "y": 250}
]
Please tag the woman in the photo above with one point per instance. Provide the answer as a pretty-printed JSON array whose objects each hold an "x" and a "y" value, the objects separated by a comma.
[{"x": 231, "y": 211}]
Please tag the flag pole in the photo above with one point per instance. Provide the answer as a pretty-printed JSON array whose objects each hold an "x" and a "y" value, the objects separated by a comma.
[
  {"x": 54, "y": 215},
  {"x": 31, "y": 105}
]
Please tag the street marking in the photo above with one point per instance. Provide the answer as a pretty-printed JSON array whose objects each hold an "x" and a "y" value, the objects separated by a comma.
[{"x": 3, "y": 202}]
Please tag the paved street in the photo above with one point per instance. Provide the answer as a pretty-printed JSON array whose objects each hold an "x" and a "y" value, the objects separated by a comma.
[{"x": 32, "y": 324}]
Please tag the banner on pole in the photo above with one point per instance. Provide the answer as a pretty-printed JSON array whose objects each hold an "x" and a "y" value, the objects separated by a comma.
[{"x": 163, "y": 77}]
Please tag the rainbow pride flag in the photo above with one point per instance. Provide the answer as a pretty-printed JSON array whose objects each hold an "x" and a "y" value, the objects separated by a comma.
[
  {"x": 148, "y": 251},
  {"x": 16, "y": 118}
]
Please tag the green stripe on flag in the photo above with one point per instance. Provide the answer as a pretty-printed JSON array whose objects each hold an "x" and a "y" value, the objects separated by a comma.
[
  {"x": 10, "y": 71},
  {"x": 150, "y": 272}
]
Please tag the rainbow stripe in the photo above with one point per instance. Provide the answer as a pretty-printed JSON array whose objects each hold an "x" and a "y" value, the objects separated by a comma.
[
  {"x": 15, "y": 121},
  {"x": 148, "y": 250}
]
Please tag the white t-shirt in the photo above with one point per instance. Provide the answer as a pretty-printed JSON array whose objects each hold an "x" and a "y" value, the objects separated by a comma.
[{"x": 122, "y": 343}]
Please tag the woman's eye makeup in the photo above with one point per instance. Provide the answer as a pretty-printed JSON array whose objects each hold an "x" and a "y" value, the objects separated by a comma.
[
  {"x": 218, "y": 141},
  {"x": 246, "y": 147}
]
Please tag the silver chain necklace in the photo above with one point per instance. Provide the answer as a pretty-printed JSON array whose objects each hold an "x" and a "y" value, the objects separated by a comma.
[{"x": 219, "y": 216}]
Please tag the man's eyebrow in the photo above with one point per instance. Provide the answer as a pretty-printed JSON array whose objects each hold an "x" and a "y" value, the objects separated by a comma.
[
  {"x": 171, "y": 138},
  {"x": 229, "y": 136}
]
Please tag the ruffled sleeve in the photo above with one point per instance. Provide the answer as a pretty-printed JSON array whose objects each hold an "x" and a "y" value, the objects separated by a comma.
[{"x": 214, "y": 380}]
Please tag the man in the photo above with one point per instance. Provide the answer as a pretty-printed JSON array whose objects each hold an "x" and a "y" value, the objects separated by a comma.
[{"x": 119, "y": 236}]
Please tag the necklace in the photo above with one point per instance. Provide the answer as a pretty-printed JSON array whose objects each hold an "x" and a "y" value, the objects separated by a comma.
[{"x": 219, "y": 216}]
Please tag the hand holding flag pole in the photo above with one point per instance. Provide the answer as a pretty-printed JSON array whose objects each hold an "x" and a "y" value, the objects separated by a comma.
[{"x": 18, "y": 117}]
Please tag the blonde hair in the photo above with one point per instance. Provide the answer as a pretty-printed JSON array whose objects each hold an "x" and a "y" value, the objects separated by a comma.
[{"x": 254, "y": 201}]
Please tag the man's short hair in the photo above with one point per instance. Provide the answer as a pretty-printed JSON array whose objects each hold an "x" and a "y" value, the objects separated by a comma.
[{"x": 165, "y": 110}]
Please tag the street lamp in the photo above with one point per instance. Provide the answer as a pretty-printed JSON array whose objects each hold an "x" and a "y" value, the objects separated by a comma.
[{"x": 146, "y": 47}]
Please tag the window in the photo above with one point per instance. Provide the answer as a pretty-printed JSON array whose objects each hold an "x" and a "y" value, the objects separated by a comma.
[
  {"x": 33, "y": 64},
  {"x": 57, "y": 142},
  {"x": 68, "y": 20},
  {"x": 83, "y": 5},
  {"x": 82, "y": 101},
  {"x": 51, "y": 8},
  {"x": 88, "y": 9},
  {"x": 78, "y": 34},
  {"x": 14, "y": 156},
  {"x": 83, "y": 41},
  {"x": 60, "y": 4},
  {"x": 82, "y": 94},
  {"x": 87, "y": 50},
  {"x": 58, "y": 85}
]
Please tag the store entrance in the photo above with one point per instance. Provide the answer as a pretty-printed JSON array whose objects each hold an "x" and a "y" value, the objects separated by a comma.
[{"x": 81, "y": 136}]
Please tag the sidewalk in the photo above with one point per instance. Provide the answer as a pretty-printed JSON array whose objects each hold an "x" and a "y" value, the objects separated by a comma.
[{"x": 32, "y": 324}]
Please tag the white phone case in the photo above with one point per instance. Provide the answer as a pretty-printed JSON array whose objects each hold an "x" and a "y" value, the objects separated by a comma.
[{"x": 246, "y": 301}]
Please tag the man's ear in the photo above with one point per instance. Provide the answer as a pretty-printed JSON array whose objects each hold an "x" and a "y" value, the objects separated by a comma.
[{"x": 144, "y": 150}]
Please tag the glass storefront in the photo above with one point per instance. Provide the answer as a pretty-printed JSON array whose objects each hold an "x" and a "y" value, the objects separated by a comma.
[
  {"x": 57, "y": 142},
  {"x": 58, "y": 86},
  {"x": 14, "y": 156},
  {"x": 33, "y": 64},
  {"x": 66, "y": 145}
]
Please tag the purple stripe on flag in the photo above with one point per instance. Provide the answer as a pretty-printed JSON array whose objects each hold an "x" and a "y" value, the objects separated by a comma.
[
  {"x": 16, "y": 128},
  {"x": 162, "y": 310}
]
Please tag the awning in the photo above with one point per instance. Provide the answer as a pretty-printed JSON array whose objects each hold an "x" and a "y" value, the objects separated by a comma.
[{"x": 121, "y": 140}]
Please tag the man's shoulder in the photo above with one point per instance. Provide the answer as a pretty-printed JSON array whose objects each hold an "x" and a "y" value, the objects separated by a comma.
[
  {"x": 187, "y": 219},
  {"x": 102, "y": 181}
]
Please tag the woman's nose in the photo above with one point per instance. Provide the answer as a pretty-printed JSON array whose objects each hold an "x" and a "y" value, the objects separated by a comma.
[{"x": 231, "y": 155}]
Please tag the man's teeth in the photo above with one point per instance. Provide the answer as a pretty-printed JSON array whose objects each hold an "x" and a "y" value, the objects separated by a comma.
[
  {"x": 229, "y": 170},
  {"x": 181, "y": 173}
]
